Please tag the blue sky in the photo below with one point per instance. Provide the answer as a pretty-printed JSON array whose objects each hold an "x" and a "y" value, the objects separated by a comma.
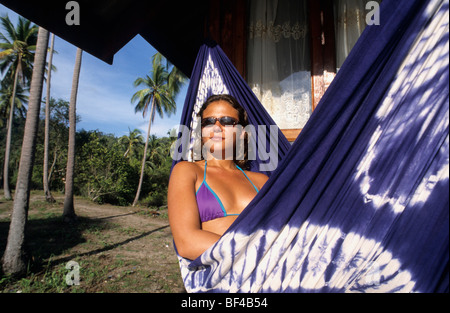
[{"x": 105, "y": 91}]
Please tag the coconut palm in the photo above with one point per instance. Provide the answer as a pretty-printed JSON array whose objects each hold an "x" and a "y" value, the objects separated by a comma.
[
  {"x": 157, "y": 97},
  {"x": 69, "y": 209},
  {"x": 47, "y": 192},
  {"x": 157, "y": 153},
  {"x": 15, "y": 260},
  {"x": 131, "y": 142},
  {"x": 17, "y": 46},
  {"x": 21, "y": 98},
  {"x": 176, "y": 78}
]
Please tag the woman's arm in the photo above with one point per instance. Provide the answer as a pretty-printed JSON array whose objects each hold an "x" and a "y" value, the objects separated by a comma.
[{"x": 191, "y": 241}]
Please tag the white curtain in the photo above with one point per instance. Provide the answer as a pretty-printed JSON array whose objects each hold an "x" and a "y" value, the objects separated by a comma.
[
  {"x": 279, "y": 59},
  {"x": 350, "y": 21}
]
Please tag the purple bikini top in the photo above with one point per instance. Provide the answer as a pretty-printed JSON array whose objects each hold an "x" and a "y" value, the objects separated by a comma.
[{"x": 209, "y": 204}]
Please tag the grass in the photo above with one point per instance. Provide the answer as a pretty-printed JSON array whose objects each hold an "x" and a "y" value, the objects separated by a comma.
[{"x": 122, "y": 252}]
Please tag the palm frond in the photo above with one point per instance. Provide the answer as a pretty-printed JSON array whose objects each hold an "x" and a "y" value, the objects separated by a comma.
[
  {"x": 8, "y": 27},
  {"x": 140, "y": 95},
  {"x": 4, "y": 39},
  {"x": 157, "y": 59},
  {"x": 22, "y": 40},
  {"x": 6, "y": 53},
  {"x": 31, "y": 48},
  {"x": 140, "y": 81},
  {"x": 176, "y": 80},
  {"x": 162, "y": 88}
]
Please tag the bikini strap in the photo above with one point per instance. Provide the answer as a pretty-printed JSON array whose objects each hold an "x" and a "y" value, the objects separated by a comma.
[{"x": 247, "y": 178}]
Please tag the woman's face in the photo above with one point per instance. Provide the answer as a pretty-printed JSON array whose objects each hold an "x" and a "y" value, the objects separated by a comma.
[{"x": 218, "y": 139}]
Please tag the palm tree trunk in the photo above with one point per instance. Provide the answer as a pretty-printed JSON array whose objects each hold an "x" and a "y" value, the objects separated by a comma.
[
  {"x": 15, "y": 258},
  {"x": 50, "y": 172},
  {"x": 69, "y": 209},
  {"x": 144, "y": 158},
  {"x": 47, "y": 192},
  {"x": 6, "y": 190}
]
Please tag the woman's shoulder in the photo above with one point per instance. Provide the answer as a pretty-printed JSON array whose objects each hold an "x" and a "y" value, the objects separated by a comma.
[{"x": 186, "y": 167}]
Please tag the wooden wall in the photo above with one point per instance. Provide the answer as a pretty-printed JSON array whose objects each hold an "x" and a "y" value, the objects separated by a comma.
[{"x": 226, "y": 24}]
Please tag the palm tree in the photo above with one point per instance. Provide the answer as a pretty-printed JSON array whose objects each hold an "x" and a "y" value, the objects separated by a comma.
[
  {"x": 159, "y": 98},
  {"x": 15, "y": 260},
  {"x": 47, "y": 192},
  {"x": 17, "y": 46},
  {"x": 131, "y": 142},
  {"x": 176, "y": 78},
  {"x": 21, "y": 98},
  {"x": 157, "y": 153},
  {"x": 69, "y": 209}
]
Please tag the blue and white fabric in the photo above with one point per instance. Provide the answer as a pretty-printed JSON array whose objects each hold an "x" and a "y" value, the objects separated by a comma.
[{"x": 360, "y": 201}]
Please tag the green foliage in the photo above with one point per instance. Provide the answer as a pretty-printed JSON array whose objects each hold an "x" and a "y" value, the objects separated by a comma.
[
  {"x": 157, "y": 183},
  {"x": 59, "y": 134},
  {"x": 107, "y": 169},
  {"x": 104, "y": 175},
  {"x": 16, "y": 148},
  {"x": 104, "y": 171},
  {"x": 17, "y": 45}
]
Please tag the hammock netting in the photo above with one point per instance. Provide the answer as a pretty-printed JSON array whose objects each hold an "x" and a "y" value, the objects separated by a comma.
[{"x": 360, "y": 201}]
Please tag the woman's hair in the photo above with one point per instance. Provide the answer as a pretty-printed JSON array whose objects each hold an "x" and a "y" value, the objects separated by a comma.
[{"x": 243, "y": 121}]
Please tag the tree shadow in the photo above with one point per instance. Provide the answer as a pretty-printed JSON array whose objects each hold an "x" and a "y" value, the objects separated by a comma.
[
  {"x": 109, "y": 247},
  {"x": 49, "y": 237}
]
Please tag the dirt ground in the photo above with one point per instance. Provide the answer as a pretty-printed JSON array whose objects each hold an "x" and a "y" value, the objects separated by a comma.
[{"x": 118, "y": 249}]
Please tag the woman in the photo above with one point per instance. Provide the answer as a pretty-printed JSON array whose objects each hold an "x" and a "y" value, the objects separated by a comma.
[{"x": 206, "y": 197}]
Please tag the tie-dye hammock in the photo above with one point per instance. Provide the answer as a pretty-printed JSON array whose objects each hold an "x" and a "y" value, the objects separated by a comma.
[{"x": 360, "y": 201}]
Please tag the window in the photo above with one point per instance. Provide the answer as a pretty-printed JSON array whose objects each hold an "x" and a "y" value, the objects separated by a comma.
[
  {"x": 278, "y": 60},
  {"x": 294, "y": 49},
  {"x": 350, "y": 21}
]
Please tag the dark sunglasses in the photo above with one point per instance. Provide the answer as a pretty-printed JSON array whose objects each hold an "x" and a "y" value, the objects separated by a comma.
[{"x": 224, "y": 121}]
